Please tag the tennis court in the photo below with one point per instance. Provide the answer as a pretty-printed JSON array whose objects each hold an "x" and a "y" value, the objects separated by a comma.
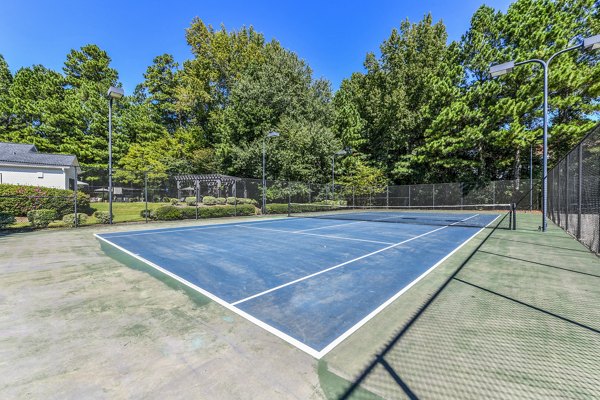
[{"x": 310, "y": 281}]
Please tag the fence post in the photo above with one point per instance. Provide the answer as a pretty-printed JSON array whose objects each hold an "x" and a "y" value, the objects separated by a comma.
[
  {"x": 409, "y": 195},
  {"x": 387, "y": 196},
  {"x": 433, "y": 194},
  {"x": 75, "y": 198},
  {"x": 146, "y": 194},
  {"x": 289, "y": 199},
  {"x": 579, "y": 188},
  {"x": 234, "y": 198},
  {"x": 567, "y": 191},
  {"x": 558, "y": 196},
  {"x": 353, "y": 204}
]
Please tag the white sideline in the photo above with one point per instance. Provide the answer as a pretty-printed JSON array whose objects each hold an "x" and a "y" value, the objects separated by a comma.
[
  {"x": 307, "y": 349},
  {"x": 312, "y": 234},
  {"x": 344, "y": 263}
]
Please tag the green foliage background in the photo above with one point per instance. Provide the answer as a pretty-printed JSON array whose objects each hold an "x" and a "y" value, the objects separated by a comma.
[{"x": 422, "y": 111}]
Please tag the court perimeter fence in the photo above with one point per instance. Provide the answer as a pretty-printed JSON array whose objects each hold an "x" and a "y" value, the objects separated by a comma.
[
  {"x": 574, "y": 191},
  {"x": 150, "y": 190}
]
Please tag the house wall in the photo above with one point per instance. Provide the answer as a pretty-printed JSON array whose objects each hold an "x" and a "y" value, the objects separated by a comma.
[{"x": 37, "y": 176}]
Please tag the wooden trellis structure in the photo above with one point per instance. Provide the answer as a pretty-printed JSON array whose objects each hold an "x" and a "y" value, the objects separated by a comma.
[{"x": 208, "y": 185}]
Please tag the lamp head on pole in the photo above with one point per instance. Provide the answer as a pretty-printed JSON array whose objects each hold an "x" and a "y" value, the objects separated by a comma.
[
  {"x": 115, "y": 93},
  {"x": 341, "y": 152},
  {"x": 273, "y": 134},
  {"x": 591, "y": 43},
  {"x": 501, "y": 69}
]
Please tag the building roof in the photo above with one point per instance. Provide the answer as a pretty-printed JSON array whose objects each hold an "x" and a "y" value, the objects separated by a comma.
[{"x": 17, "y": 153}]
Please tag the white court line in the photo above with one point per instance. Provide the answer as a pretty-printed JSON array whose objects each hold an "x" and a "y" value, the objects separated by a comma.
[
  {"x": 376, "y": 311},
  {"x": 231, "y": 307},
  {"x": 312, "y": 234},
  {"x": 350, "y": 223},
  {"x": 342, "y": 264}
]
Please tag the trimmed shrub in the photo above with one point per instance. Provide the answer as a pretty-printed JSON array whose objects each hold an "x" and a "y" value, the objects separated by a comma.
[
  {"x": 41, "y": 218},
  {"x": 102, "y": 216},
  {"x": 221, "y": 201},
  {"x": 244, "y": 200},
  {"x": 246, "y": 209},
  {"x": 231, "y": 201},
  {"x": 19, "y": 199},
  {"x": 69, "y": 219},
  {"x": 174, "y": 202},
  {"x": 166, "y": 199},
  {"x": 209, "y": 200},
  {"x": 6, "y": 219},
  {"x": 167, "y": 213},
  {"x": 189, "y": 212},
  {"x": 277, "y": 208},
  {"x": 144, "y": 212},
  {"x": 190, "y": 201}
]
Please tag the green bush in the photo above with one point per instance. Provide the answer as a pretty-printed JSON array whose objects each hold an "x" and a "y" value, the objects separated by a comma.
[
  {"x": 209, "y": 200},
  {"x": 188, "y": 212},
  {"x": 41, "y": 218},
  {"x": 277, "y": 208},
  {"x": 6, "y": 219},
  {"x": 69, "y": 219},
  {"x": 144, "y": 212},
  {"x": 102, "y": 216},
  {"x": 246, "y": 209},
  {"x": 174, "y": 202},
  {"x": 18, "y": 200},
  {"x": 167, "y": 213},
  {"x": 231, "y": 201},
  {"x": 221, "y": 201},
  {"x": 244, "y": 200},
  {"x": 190, "y": 201}
]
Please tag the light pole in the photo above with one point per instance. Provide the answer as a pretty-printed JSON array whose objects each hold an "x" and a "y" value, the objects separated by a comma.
[
  {"x": 337, "y": 153},
  {"x": 264, "y": 177},
  {"x": 591, "y": 43},
  {"x": 113, "y": 93}
]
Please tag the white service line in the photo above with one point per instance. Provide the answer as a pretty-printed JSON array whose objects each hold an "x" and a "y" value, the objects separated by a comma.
[
  {"x": 345, "y": 263},
  {"x": 350, "y": 223},
  {"x": 313, "y": 234}
]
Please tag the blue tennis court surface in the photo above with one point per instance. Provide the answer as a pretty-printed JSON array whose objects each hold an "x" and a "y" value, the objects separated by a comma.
[{"x": 310, "y": 281}]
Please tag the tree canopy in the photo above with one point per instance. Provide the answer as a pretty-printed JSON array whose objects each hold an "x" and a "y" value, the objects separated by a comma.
[{"x": 423, "y": 110}]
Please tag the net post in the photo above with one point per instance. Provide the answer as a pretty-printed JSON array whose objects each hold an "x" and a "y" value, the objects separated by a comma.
[{"x": 513, "y": 210}]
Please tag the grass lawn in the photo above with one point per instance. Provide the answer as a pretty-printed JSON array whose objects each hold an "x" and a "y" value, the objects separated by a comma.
[{"x": 124, "y": 212}]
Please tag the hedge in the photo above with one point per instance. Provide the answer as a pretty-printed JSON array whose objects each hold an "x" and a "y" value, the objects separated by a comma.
[
  {"x": 41, "y": 218},
  {"x": 19, "y": 199},
  {"x": 6, "y": 219},
  {"x": 221, "y": 201},
  {"x": 167, "y": 213},
  {"x": 69, "y": 219},
  {"x": 209, "y": 200},
  {"x": 190, "y": 200},
  {"x": 102, "y": 216}
]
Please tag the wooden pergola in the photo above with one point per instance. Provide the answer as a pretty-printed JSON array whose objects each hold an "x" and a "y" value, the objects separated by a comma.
[{"x": 216, "y": 184}]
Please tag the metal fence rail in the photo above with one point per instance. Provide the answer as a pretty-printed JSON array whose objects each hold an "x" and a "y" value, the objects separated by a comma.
[{"x": 574, "y": 191}]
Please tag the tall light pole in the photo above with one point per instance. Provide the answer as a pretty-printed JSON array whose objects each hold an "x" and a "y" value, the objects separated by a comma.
[
  {"x": 264, "y": 176},
  {"x": 113, "y": 93},
  {"x": 591, "y": 43},
  {"x": 337, "y": 153}
]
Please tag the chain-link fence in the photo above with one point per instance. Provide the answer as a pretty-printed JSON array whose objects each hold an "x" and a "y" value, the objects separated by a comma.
[
  {"x": 574, "y": 192},
  {"x": 136, "y": 195}
]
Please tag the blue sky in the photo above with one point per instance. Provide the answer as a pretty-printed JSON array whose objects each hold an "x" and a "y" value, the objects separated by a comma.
[{"x": 333, "y": 37}]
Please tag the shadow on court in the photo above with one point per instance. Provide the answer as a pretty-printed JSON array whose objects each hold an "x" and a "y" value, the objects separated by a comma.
[{"x": 506, "y": 323}]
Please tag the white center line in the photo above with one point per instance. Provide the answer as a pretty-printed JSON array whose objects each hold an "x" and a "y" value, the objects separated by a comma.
[
  {"x": 344, "y": 263},
  {"x": 313, "y": 234}
]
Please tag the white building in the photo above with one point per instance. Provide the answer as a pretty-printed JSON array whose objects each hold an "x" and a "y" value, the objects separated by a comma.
[{"x": 22, "y": 164}]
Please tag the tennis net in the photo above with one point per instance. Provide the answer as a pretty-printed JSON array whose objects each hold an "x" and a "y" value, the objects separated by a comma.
[{"x": 501, "y": 216}]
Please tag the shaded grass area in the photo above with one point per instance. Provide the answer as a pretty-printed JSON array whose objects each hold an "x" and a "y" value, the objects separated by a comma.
[
  {"x": 520, "y": 320},
  {"x": 124, "y": 212}
]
